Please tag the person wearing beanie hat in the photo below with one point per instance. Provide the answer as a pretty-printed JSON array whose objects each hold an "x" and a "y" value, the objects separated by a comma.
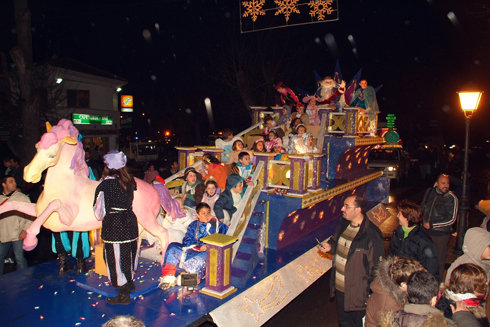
[
  {"x": 193, "y": 189},
  {"x": 113, "y": 203},
  {"x": 229, "y": 199},
  {"x": 476, "y": 248}
]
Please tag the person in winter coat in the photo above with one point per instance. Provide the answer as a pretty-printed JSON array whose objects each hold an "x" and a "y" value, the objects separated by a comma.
[
  {"x": 467, "y": 283},
  {"x": 476, "y": 248},
  {"x": 229, "y": 199},
  {"x": 420, "y": 311},
  {"x": 439, "y": 209},
  {"x": 410, "y": 241},
  {"x": 357, "y": 246},
  {"x": 389, "y": 287}
]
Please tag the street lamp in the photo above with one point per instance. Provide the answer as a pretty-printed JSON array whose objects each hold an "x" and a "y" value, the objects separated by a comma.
[{"x": 469, "y": 103}]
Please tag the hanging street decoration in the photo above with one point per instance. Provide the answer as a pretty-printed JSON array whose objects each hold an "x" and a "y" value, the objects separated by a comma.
[{"x": 258, "y": 15}]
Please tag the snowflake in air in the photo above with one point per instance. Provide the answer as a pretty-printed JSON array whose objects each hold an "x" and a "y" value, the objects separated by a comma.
[
  {"x": 287, "y": 7},
  {"x": 320, "y": 7},
  {"x": 253, "y": 9}
]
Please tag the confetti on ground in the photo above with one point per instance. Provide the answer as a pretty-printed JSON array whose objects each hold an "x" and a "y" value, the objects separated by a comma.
[
  {"x": 78, "y": 323},
  {"x": 83, "y": 318},
  {"x": 56, "y": 292},
  {"x": 103, "y": 315},
  {"x": 71, "y": 280},
  {"x": 40, "y": 287},
  {"x": 36, "y": 308},
  {"x": 172, "y": 314},
  {"x": 41, "y": 317}
]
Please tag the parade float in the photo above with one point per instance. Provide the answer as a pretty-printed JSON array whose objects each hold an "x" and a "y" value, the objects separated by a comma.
[{"x": 267, "y": 258}]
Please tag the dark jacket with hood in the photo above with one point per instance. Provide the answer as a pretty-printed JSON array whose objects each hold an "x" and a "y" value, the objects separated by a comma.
[
  {"x": 418, "y": 246},
  {"x": 225, "y": 200},
  {"x": 385, "y": 294},
  {"x": 365, "y": 252},
  {"x": 440, "y": 210}
]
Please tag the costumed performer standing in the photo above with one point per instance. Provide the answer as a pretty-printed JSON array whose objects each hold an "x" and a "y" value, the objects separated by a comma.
[
  {"x": 365, "y": 97},
  {"x": 113, "y": 205},
  {"x": 190, "y": 255}
]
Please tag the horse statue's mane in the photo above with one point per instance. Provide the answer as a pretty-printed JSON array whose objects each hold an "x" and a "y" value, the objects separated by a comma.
[{"x": 63, "y": 129}]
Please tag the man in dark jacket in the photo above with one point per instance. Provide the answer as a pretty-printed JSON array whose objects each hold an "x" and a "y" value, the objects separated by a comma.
[
  {"x": 358, "y": 247},
  {"x": 439, "y": 208}
]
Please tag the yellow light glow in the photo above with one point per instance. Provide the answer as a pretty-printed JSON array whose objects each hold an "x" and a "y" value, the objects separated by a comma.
[
  {"x": 167, "y": 133},
  {"x": 469, "y": 100}
]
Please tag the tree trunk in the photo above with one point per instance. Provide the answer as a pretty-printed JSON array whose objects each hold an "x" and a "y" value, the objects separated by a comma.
[{"x": 29, "y": 104}]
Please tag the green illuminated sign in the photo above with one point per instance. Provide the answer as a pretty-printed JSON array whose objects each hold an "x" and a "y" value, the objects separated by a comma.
[
  {"x": 390, "y": 121},
  {"x": 84, "y": 119}
]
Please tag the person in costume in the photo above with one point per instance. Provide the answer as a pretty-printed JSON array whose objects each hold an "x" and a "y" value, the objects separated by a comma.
[
  {"x": 190, "y": 255},
  {"x": 287, "y": 96},
  {"x": 331, "y": 93},
  {"x": 229, "y": 199},
  {"x": 193, "y": 188},
  {"x": 113, "y": 202},
  {"x": 365, "y": 97},
  {"x": 76, "y": 243}
]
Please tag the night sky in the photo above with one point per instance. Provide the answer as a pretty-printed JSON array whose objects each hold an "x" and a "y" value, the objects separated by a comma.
[{"x": 422, "y": 52}]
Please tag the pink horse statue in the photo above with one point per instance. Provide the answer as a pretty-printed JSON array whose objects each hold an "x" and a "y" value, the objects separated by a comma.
[{"x": 66, "y": 203}]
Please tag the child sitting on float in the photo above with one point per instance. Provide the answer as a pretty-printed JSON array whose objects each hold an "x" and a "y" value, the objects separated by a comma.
[
  {"x": 284, "y": 116},
  {"x": 190, "y": 255},
  {"x": 226, "y": 143},
  {"x": 237, "y": 148},
  {"x": 244, "y": 168},
  {"x": 175, "y": 218},
  {"x": 312, "y": 110},
  {"x": 229, "y": 199},
  {"x": 274, "y": 140},
  {"x": 193, "y": 188},
  {"x": 269, "y": 125},
  {"x": 300, "y": 113},
  {"x": 211, "y": 195}
]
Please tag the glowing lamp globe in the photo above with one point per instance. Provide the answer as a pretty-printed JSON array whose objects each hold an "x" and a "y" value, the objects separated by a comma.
[{"x": 469, "y": 101}]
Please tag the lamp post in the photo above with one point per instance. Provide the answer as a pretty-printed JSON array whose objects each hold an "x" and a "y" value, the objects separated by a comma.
[{"x": 469, "y": 103}]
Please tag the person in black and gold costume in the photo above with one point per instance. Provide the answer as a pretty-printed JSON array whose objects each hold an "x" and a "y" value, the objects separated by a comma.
[{"x": 113, "y": 203}]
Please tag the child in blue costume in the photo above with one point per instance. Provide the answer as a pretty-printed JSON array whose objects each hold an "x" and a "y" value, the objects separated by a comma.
[{"x": 190, "y": 255}]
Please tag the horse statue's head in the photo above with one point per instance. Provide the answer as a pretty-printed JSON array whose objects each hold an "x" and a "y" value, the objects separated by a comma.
[{"x": 49, "y": 151}]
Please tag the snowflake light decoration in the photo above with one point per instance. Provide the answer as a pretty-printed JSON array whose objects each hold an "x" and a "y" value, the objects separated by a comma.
[
  {"x": 253, "y": 9},
  {"x": 320, "y": 7},
  {"x": 287, "y": 7}
]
